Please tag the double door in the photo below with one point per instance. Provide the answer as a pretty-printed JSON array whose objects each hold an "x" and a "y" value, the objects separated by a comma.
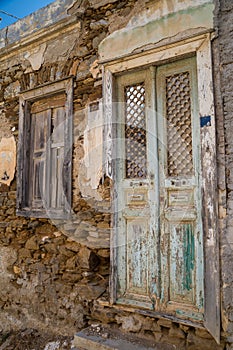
[{"x": 158, "y": 240}]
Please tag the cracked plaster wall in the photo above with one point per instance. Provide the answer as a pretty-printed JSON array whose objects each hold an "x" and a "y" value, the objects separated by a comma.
[{"x": 157, "y": 22}]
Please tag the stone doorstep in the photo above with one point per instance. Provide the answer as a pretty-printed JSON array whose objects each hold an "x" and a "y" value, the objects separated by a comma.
[{"x": 116, "y": 340}]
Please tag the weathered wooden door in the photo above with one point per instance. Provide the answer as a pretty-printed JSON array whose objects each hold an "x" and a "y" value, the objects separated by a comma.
[{"x": 158, "y": 248}]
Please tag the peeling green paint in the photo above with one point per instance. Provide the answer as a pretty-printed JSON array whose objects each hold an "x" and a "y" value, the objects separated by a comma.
[
  {"x": 188, "y": 256},
  {"x": 193, "y": 315}
]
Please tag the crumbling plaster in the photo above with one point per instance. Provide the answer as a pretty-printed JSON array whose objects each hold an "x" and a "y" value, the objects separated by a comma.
[
  {"x": 7, "y": 160},
  {"x": 36, "y": 56},
  {"x": 156, "y": 23}
]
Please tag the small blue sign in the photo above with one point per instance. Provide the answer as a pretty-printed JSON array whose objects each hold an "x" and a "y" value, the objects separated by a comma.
[{"x": 205, "y": 121}]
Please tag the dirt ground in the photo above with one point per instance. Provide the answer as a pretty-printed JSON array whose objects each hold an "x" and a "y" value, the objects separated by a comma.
[{"x": 31, "y": 339}]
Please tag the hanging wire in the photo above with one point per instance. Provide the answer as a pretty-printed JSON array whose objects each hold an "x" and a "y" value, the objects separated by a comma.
[{"x": 8, "y": 14}]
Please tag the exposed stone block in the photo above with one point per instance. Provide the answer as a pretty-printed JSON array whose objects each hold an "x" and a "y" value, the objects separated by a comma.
[
  {"x": 129, "y": 323},
  {"x": 90, "y": 291},
  {"x": 24, "y": 253},
  {"x": 87, "y": 258},
  {"x": 32, "y": 243},
  {"x": 176, "y": 332},
  {"x": 165, "y": 323},
  {"x": 196, "y": 343}
]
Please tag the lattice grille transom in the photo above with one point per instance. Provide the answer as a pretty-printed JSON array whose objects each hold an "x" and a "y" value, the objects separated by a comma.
[
  {"x": 179, "y": 124},
  {"x": 135, "y": 131}
]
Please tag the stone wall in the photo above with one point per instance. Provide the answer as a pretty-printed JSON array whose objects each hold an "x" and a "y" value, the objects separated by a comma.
[
  {"x": 52, "y": 271},
  {"x": 54, "y": 275},
  {"x": 222, "y": 59}
]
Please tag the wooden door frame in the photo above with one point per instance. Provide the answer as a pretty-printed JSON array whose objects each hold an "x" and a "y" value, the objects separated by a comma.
[{"x": 200, "y": 46}]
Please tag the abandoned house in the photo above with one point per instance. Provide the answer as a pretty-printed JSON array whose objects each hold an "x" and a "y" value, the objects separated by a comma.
[{"x": 116, "y": 170}]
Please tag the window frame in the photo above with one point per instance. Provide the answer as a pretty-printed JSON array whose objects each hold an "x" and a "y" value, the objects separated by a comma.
[{"x": 25, "y": 99}]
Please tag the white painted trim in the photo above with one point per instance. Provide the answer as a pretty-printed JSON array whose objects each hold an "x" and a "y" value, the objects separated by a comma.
[
  {"x": 209, "y": 190},
  {"x": 157, "y": 55}
]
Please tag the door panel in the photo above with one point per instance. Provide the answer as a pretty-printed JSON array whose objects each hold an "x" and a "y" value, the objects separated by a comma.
[
  {"x": 181, "y": 261},
  {"x": 135, "y": 192},
  {"x": 180, "y": 200},
  {"x": 137, "y": 269}
]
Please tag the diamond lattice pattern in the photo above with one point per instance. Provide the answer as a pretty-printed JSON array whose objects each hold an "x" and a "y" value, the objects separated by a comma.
[
  {"x": 135, "y": 131},
  {"x": 179, "y": 124}
]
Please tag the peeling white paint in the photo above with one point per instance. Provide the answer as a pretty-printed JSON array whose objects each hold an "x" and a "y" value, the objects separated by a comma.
[
  {"x": 95, "y": 69},
  {"x": 91, "y": 172},
  {"x": 211, "y": 209},
  {"x": 7, "y": 160},
  {"x": 36, "y": 58},
  {"x": 210, "y": 238}
]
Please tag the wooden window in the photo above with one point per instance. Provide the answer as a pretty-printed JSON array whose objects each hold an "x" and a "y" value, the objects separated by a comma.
[{"x": 45, "y": 150}]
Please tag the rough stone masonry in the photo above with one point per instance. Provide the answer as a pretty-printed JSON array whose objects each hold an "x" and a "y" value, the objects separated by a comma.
[{"x": 54, "y": 274}]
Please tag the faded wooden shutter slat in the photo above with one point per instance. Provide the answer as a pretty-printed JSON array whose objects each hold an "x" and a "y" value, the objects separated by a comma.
[
  {"x": 57, "y": 157},
  {"x": 39, "y": 139},
  {"x": 25, "y": 157},
  {"x": 53, "y": 179},
  {"x": 60, "y": 190}
]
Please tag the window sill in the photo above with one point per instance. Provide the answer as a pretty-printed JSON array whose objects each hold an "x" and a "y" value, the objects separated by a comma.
[{"x": 41, "y": 213}]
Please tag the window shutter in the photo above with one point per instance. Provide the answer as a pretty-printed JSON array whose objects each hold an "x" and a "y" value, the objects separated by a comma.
[{"x": 45, "y": 150}]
